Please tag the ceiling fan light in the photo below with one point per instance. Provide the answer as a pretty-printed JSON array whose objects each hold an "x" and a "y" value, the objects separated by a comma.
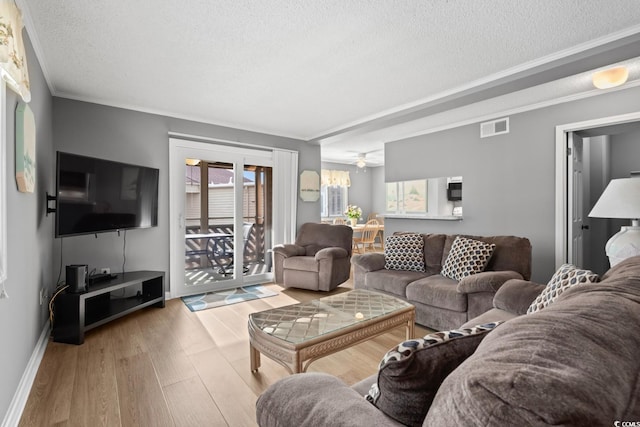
[
  {"x": 611, "y": 77},
  {"x": 361, "y": 163}
]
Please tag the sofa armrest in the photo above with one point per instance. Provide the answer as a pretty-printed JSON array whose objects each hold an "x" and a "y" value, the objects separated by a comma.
[
  {"x": 368, "y": 262},
  {"x": 316, "y": 399},
  {"x": 515, "y": 296},
  {"x": 288, "y": 250},
  {"x": 331, "y": 253},
  {"x": 486, "y": 281}
]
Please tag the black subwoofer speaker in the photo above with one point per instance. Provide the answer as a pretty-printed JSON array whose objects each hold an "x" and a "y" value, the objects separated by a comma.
[{"x": 77, "y": 278}]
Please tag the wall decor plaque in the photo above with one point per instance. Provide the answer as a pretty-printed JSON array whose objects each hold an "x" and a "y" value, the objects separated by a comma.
[
  {"x": 25, "y": 148},
  {"x": 309, "y": 186}
]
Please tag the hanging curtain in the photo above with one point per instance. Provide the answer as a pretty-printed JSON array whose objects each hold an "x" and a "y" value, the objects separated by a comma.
[
  {"x": 13, "y": 58},
  {"x": 285, "y": 195},
  {"x": 336, "y": 178}
]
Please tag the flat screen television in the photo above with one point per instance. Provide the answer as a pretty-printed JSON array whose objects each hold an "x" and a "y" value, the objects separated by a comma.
[{"x": 96, "y": 195}]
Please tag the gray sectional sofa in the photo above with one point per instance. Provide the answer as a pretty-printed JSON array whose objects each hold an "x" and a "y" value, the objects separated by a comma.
[
  {"x": 442, "y": 303},
  {"x": 572, "y": 363}
]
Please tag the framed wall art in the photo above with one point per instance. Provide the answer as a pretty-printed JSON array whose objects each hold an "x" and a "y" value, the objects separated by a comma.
[
  {"x": 309, "y": 186},
  {"x": 25, "y": 149}
]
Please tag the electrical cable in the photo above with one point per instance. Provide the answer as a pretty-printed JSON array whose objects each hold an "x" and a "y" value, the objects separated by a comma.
[
  {"x": 124, "y": 250},
  {"x": 60, "y": 289},
  {"x": 60, "y": 269}
]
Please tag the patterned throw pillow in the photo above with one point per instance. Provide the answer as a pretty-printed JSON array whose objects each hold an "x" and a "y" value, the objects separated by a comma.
[
  {"x": 410, "y": 374},
  {"x": 466, "y": 257},
  {"x": 404, "y": 252},
  {"x": 568, "y": 275}
]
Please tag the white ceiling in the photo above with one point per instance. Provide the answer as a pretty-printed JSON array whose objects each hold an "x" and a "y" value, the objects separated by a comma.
[{"x": 347, "y": 74}]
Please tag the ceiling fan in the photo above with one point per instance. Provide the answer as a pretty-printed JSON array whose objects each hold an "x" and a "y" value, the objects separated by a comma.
[{"x": 361, "y": 161}]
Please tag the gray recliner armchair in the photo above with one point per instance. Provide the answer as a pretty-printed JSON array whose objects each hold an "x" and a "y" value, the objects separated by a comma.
[{"x": 319, "y": 260}]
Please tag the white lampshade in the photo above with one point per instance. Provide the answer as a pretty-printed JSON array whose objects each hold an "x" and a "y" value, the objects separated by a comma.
[{"x": 621, "y": 199}]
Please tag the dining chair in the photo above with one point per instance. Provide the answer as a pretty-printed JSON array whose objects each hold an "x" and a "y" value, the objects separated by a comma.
[
  {"x": 367, "y": 237},
  {"x": 339, "y": 221}
]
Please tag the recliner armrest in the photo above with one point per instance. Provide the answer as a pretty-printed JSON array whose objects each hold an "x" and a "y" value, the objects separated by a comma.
[
  {"x": 486, "y": 281},
  {"x": 515, "y": 296},
  {"x": 288, "y": 250},
  {"x": 331, "y": 253},
  {"x": 369, "y": 262},
  {"x": 316, "y": 399}
]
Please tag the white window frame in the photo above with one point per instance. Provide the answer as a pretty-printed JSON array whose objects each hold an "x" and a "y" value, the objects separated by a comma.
[
  {"x": 3, "y": 186},
  {"x": 324, "y": 190}
]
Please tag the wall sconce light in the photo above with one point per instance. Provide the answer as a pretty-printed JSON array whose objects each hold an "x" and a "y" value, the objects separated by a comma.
[{"x": 611, "y": 77}]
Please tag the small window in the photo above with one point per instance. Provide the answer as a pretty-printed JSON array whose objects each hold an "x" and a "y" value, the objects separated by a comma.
[{"x": 334, "y": 200}]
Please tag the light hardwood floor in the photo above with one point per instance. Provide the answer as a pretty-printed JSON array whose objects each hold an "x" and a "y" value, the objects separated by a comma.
[{"x": 172, "y": 367}]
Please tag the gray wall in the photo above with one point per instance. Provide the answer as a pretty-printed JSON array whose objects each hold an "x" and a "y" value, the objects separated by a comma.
[
  {"x": 142, "y": 138},
  {"x": 509, "y": 180},
  {"x": 378, "y": 196},
  {"x": 29, "y": 238},
  {"x": 625, "y": 154}
]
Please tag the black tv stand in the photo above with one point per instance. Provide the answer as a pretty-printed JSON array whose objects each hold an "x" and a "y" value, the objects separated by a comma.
[
  {"x": 76, "y": 313},
  {"x": 99, "y": 278}
]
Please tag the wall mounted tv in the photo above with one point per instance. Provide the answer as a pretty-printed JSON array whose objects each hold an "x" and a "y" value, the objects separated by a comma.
[{"x": 97, "y": 195}]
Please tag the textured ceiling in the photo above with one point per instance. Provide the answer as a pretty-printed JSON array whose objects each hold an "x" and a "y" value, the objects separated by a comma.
[{"x": 306, "y": 69}]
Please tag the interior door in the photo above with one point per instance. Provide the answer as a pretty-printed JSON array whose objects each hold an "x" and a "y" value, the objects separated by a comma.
[
  {"x": 576, "y": 199},
  {"x": 221, "y": 216}
]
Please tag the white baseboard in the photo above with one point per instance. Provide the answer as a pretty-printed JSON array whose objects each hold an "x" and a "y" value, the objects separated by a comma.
[{"x": 19, "y": 401}]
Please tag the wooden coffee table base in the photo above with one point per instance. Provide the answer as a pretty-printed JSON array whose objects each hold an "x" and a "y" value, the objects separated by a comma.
[{"x": 296, "y": 358}]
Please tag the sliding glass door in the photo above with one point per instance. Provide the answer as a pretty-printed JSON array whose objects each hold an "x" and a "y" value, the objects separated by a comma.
[{"x": 221, "y": 201}]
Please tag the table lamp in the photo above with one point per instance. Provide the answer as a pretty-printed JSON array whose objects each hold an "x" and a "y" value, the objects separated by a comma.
[{"x": 621, "y": 199}]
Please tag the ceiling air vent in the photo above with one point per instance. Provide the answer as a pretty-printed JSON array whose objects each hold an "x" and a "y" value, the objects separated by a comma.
[{"x": 494, "y": 127}]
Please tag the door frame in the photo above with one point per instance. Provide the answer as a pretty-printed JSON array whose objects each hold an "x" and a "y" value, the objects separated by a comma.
[
  {"x": 283, "y": 204},
  {"x": 563, "y": 193}
]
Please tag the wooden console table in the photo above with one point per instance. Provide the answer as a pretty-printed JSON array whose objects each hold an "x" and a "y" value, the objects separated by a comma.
[{"x": 76, "y": 313}]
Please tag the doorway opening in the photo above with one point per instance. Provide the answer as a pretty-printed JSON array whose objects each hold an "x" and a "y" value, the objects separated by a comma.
[
  {"x": 588, "y": 155},
  {"x": 210, "y": 221},
  {"x": 227, "y": 210}
]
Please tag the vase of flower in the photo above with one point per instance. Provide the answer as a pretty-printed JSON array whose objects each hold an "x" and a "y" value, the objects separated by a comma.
[{"x": 353, "y": 213}]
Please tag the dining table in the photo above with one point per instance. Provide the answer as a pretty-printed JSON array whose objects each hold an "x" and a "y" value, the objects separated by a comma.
[{"x": 358, "y": 228}]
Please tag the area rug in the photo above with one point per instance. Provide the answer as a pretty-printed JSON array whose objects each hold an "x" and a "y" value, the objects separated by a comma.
[{"x": 228, "y": 297}]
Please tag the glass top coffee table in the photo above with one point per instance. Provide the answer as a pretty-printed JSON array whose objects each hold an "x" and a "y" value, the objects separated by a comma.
[{"x": 299, "y": 333}]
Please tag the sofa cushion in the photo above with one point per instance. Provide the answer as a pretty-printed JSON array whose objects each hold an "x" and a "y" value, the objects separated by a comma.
[
  {"x": 411, "y": 373},
  {"x": 437, "y": 291},
  {"x": 404, "y": 252},
  {"x": 306, "y": 263},
  {"x": 512, "y": 253},
  {"x": 391, "y": 281},
  {"x": 433, "y": 247},
  {"x": 568, "y": 275},
  {"x": 466, "y": 257}
]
